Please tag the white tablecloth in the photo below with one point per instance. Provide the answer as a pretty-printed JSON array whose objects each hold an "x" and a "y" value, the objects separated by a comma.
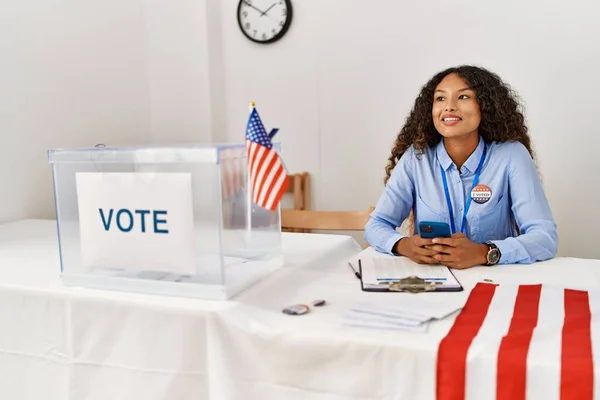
[
  {"x": 259, "y": 353},
  {"x": 67, "y": 343}
]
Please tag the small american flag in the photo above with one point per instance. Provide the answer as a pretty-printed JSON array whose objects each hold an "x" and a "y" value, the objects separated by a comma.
[{"x": 268, "y": 176}]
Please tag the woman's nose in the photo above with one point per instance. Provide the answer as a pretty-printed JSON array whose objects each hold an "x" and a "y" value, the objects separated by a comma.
[{"x": 450, "y": 105}]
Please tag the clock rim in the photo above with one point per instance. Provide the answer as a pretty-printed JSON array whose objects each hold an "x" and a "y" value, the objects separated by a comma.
[{"x": 275, "y": 38}]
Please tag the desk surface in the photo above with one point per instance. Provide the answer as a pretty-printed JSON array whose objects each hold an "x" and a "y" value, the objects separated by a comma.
[
  {"x": 74, "y": 343},
  {"x": 316, "y": 357}
]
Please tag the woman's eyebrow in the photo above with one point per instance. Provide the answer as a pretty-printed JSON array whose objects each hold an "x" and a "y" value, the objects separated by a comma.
[{"x": 460, "y": 90}]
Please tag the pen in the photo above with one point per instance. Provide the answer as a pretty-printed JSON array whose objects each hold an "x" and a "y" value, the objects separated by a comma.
[
  {"x": 355, "y": 273},
  {"x": 425, "y": 279}
]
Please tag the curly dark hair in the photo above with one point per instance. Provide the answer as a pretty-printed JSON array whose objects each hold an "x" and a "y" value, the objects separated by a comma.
[{"x": 501, "y": 117}]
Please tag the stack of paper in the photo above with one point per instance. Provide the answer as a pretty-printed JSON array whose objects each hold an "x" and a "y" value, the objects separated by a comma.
[{"x": 408, "y": 312}]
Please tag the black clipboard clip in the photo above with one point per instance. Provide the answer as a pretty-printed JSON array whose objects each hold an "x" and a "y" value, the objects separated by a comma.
[{"x": 411, "y": 284}]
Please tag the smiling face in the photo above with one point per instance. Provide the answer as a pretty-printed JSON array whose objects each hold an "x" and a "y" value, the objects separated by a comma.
[{"x": 455, "y": 110}]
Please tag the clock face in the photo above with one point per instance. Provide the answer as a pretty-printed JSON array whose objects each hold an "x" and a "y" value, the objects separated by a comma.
[{"x": 264, "y": 21}]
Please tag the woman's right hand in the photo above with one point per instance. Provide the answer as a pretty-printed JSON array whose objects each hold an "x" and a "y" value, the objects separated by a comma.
[{"x": 414, "y": 248}]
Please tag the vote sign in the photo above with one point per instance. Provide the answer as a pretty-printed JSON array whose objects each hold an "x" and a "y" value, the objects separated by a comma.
[{"x": 140, "y": 221}]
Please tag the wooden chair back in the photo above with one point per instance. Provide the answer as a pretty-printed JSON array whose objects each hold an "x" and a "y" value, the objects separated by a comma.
[
  {"x": 308, "y": 220},
  {"x": 299, "y": 187}
]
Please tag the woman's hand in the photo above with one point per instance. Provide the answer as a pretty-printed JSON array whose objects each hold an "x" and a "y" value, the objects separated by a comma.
[
  {"x": 458, "y": 252},
  {"x": 415, "y": 248}
]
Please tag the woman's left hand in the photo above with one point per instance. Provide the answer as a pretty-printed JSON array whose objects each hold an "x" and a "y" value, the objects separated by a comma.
[{"x": 459, "y": 252}]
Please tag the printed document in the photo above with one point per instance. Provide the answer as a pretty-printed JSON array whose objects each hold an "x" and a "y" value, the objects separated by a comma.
[{"x": 377, "y": 271}]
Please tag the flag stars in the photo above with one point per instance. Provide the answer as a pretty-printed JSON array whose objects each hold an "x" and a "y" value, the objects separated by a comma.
[{"x": 256, "y": 131}]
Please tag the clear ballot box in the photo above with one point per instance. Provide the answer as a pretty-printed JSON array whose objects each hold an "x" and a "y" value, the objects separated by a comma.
[{"x": 165, "y": 220}]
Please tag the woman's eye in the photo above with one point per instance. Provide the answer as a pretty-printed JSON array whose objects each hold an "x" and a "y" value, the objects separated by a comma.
[
  {"x": 439, "y": 98},
  {"x": 463, "y": 96}
]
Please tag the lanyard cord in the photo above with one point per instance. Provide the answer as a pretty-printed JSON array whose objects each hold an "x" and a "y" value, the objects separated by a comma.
[{"x": 468, "y": 205}]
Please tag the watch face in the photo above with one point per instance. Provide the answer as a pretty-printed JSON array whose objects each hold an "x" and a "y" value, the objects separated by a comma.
[{"x": 493, "y": 256}]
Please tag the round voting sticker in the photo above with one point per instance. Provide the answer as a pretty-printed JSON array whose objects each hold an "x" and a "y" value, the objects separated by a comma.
[{"x": 481, "y": 194}]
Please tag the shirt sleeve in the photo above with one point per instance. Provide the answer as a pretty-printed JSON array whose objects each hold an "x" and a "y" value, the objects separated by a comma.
[
  {"x": 538, "y": 239},
  {"x": 393, "y": 207}
]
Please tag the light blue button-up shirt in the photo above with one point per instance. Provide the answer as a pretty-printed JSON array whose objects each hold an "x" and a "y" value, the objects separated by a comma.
[{"x": 517, "y": 198}]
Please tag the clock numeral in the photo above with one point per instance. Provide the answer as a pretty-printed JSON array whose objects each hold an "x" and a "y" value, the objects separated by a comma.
[
  {"x": 254, "y": 32},
  {"x": 264, "y": 36},
  {"x": 284, "y": 11},
  {"x": 281, "y": 2},
  {"x": 249, "y": 2},
  {"x": 273, "y": 31},
  {"x": 247, "y": 25},
  {"x": 245, "y": 14},
  {"x": 281, "y": 23}
]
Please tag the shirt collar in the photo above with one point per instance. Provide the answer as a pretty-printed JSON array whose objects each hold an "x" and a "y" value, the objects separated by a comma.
[{"x": 471, "y": 163}]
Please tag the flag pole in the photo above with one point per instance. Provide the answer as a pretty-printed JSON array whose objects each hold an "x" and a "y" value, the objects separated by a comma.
[{"x": 249, "y": 190}]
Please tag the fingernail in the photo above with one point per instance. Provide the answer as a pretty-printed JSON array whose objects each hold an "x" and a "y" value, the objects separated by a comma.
[{"x": 434, "y": 240}]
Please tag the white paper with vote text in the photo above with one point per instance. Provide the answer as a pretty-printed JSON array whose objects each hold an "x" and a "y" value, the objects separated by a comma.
[{"x": 141, "y": 221}]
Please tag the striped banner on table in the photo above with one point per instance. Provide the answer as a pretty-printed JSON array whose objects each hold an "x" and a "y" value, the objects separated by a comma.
[{"x": 521, "y": 342}]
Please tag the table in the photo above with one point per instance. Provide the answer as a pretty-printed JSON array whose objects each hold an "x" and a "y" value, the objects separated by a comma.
[
  {"x": 260, "y": 353},
  {"x": 67, "y": 343}
]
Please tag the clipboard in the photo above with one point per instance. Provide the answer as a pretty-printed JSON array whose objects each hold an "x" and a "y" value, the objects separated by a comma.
[{"x": 412, "y": 283}]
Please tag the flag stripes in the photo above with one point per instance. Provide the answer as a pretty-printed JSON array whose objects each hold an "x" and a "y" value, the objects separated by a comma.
[
  {"x": 452, "y": 352},
  {"x": 577, "y": 367},
  {"x": 512, "y": 355},
  {"x": 519, "y": 342},
  {"x": 232, "y": 171}
]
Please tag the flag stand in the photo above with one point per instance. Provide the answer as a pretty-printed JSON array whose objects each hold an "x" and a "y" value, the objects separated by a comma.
[{"x": 249, "y": 193}]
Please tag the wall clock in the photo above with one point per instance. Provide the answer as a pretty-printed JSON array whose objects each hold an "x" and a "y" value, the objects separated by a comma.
[{"x": 264, "y": 21}]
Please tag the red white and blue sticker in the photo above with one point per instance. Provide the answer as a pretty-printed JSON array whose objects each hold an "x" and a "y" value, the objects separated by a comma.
[{"x": 481, "y": 194}]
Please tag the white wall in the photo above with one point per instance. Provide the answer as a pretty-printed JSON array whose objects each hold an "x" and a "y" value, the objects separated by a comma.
[
  {"x": 114, "y": 72},
  {"x": 179, "y": 65},
  {"x": 339, "y": 86},
  {"x": 71, "y": 74}
]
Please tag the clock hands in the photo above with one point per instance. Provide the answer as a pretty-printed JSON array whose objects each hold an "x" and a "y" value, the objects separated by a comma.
[
  {"x": 250, "y": 4},
  {"x": 267, "y": 10}
]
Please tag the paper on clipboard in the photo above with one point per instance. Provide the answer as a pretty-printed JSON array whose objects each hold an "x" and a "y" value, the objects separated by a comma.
[{"x": 377, "y": 272}]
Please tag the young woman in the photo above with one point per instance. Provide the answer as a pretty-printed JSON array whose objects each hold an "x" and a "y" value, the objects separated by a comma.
[{"x": 464, "y": 157}]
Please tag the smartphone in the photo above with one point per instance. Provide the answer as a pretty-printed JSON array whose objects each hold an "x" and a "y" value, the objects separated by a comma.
[{"x": 430, "y": 229}]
